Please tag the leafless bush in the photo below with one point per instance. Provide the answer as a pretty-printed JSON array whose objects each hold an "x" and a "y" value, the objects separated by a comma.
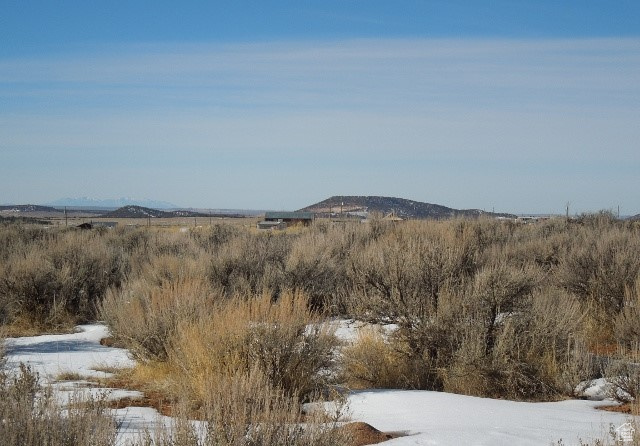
[
  {"x": 316, "y": 266},
  {"x": 597, "y": 220},
  {"x": 60, "y": 282},
  {"x": 399, "y": 277},
  {"x": 250, "y": 264},
  {"x": 624, "y": 376},
  {"x": 532, "y": 351},
  {"x": 211, "y": 238},
  {"x": 627, "y": 324},
  {"x": 31, "y": 416},
  {"x": 600, "y": 266}
]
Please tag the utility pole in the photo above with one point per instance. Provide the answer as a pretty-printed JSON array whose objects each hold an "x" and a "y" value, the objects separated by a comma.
[{"x": 66, "y": 223}]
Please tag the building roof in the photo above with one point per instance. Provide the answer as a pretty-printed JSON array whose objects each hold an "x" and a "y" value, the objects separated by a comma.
[{"x": 289, "y": 216}]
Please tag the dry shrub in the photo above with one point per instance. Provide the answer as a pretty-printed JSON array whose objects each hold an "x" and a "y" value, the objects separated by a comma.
[
  {"x": 623, "y": 374},
  {"x": 31, "y": 416},
  {"x": 399, "y": 277},
  {"x": 627, "y": 323},
  {"x": 131, "y": 240},
  {"x": 600, "y": 267},
  {"x": 373, "y": 362},
  {"x": 556, "y": 340},
  {"x": 543, "y": 246},
  {"x": 211, "y": 238},
  {"x": 250, "y": 264},
  {"x": 87, "y": 267},
  {"x": 61, "y": 282},
  {"x": 168, "y": 268},
  {"x": 497, "y": 292},
  {"x": 477, "y": 303},
  {"x": 28, "y": 287},
  {"x": 15, "y": 237},
  {"x": 3, "y": 347},
  {"x": 316, "y": 267},
  {"x": 161, "y": 254},
  {"x": 244, "y": 409},
  {"x": 283, "y": 339},
  {"x": 533, "y": 351},
  {"x": 143, "y": 317}
]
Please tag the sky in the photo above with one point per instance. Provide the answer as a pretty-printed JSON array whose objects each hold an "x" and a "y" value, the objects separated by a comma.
[{"x": 506, "y": 105}]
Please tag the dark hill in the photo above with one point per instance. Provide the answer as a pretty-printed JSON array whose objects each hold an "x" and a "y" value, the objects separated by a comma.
[
  {"x": 143, "y": 212},
  {"x": 399, "y": 206}
]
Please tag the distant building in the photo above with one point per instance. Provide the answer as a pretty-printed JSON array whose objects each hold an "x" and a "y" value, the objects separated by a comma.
[
  {"x": 272, "y": 225},
  {"x": 290, "y": 218}
]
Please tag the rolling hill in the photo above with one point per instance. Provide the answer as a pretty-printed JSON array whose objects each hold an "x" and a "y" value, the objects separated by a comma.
[
  {"x": 144, "y": 212},
  {"x": 398, "y": 206},
  {"x": 133, "y": 211},
  {"x": 22, "y": 208}
]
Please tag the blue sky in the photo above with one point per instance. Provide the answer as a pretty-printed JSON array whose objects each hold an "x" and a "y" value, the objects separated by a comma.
[{"x": 508, "y": 105}]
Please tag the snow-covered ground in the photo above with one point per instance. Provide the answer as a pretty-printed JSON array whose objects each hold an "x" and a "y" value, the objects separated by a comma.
[
  {"x": 80, "y": 352},
  {"x": 436, "y": 418},
  {"x": 428, "y": 418},
  {"x": 54, "y": 355}
]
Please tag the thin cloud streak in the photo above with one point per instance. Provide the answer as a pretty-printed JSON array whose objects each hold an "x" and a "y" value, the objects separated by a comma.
[
  {"x": 463, "y": 123},
  {"x": 356, "y": 73}
]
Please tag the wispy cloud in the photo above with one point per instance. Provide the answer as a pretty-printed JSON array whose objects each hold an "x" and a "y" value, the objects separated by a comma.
[
  {"x": 422, "y": 108},
  {"x": 380, "y": 73}
]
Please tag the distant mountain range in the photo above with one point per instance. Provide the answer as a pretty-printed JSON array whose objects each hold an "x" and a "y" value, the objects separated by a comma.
[
  {"x": 400, "y": 207},
  {"x": 111, "y": 203}
]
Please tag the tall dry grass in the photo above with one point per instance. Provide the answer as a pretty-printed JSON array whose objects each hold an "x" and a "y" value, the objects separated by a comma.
[
  {"x": 145, "y": 316},
  {"x": 242, "y": 365},
  {"x": 246, "y": 410},
  {"x": 287, "y": 343},
  {"x": 32, "y": 416}
]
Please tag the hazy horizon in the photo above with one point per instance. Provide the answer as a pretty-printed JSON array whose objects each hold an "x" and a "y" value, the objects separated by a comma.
[{"x": 520, "y": 107}]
